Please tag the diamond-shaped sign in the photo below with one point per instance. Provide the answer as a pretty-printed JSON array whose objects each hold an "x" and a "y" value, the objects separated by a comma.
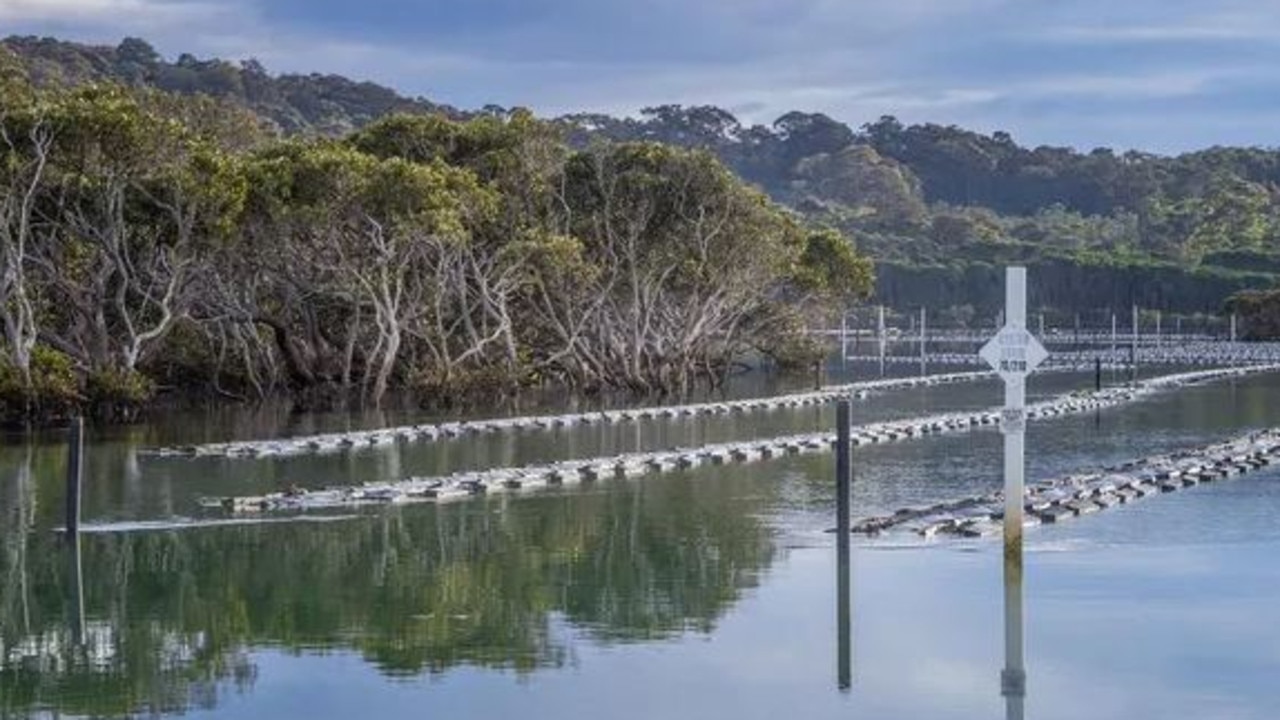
[{"x": 1013, "y": 352}]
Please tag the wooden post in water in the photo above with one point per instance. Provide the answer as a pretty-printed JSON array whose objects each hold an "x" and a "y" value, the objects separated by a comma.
[
  {"x": 75, "y": 474},
  {"x": 1097, "y": 374},
  {"x": 844, "y": 464}
]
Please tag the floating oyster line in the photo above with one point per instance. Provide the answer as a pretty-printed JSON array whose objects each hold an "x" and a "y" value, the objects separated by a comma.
[
  {"x": 352, "y": 440},
  {"x": 1059, "y": 499},
  {"x": 465, "y": 484},
  {"x": 1198, "y": 354}
]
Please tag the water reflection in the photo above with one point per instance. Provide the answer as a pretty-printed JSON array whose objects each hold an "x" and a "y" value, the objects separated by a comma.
[
  {"x": 1013, "y": 679},
  {"x": 17, "y": 510},
  {"x": 75, "y": 590},
  {"x": 844, "y": 616},
  {"x": 167, "y": 621}
]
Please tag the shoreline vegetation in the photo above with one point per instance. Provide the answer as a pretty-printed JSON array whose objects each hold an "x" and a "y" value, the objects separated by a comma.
[
  {"x": 204, "y": 228},
  {"x": 157, "y": 242}
]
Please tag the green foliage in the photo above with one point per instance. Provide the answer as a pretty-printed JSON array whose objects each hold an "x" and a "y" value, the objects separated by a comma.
[
  {"x": 323, "y": 104},
  {"x": 831, "y": 267},
  {"x": 924, "y": 194},
  {"x": 785, "y": 343},
  {"x": 53, "y": 392},
  {"x": 118, "y": 389},
  {"x": 880, "y": 192}
]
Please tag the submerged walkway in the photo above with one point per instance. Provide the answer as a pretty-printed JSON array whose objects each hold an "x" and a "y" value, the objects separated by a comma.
[{"x": 521, "y": 479}]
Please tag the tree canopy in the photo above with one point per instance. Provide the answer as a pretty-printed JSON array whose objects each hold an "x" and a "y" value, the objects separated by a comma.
[{"x": 152, "y": 240}]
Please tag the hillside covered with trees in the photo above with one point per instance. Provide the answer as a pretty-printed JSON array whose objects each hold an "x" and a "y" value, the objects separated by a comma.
[
  {"x": 312, "y": 104},
  {"x": 201, "y": 222},
  {"x": 939, "y": 208},
  {"x": 152, "y": 240}
]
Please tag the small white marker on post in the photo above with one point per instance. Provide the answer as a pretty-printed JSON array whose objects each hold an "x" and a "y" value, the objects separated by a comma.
[
  {"x": 923, "y": 340},
  {"x": 1114, "y": 357},
  {"x": 844, "y": 337},
  {"x": 1133, "y": 349},
  {"x": 1014, "y": 353},
  {"x": 882, "y": 340}
]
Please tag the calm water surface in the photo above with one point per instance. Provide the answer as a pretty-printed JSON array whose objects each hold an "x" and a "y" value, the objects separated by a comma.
[{"x": 708, "y": 593}]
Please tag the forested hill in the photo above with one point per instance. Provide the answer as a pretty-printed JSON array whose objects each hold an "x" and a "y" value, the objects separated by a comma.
[
  {"x": 939, "y": 207},
  {"x": 328, "y": 104}
]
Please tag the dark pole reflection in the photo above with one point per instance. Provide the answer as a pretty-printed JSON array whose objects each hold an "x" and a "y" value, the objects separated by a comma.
[
  {"x": 1013, "y": 679},
  {"x": 75, "y": 590},
  {"x": 844, "y": 616}
]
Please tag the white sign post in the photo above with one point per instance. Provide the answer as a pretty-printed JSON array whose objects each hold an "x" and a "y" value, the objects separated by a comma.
[{"x": 1014, "y": 353}]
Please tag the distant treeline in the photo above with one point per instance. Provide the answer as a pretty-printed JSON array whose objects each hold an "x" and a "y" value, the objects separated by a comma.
[
  {"x": 930, "y": 202},
  {"x": 151, "y": 240}
]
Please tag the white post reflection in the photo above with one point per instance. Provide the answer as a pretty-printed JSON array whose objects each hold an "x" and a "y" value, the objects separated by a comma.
[{"x": 1013, "y": 679}]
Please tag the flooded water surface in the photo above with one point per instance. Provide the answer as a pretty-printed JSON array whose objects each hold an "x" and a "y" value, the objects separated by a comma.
[{"x": 708, "y": 592}]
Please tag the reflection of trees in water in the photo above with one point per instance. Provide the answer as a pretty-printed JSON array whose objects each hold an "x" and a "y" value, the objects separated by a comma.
[
  {"x": 172, "y": 615},
  {"x": 123, "y": 665},
  {"x": 17, "y": 515}
]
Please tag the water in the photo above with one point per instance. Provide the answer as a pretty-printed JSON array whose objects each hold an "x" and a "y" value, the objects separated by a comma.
[{"x": 706, "y": 593}]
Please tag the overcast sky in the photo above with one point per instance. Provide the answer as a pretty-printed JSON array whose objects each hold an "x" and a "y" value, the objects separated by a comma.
[{"x": 1160, "y": 75}]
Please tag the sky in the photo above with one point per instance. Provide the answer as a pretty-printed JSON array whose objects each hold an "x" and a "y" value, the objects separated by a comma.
[{"x": 1154, "y": 75}]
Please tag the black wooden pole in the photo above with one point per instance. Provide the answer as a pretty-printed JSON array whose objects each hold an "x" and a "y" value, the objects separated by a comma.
[
  {"x": 844, "y": 478},
  {"x": 844, "y": 465}
]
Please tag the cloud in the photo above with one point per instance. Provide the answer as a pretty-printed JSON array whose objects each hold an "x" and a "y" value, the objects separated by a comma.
[
  {"x": 1158, "y": 33},
  {"x": 1211, "y": 23},
  {"x": 154, "y": 13}
]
